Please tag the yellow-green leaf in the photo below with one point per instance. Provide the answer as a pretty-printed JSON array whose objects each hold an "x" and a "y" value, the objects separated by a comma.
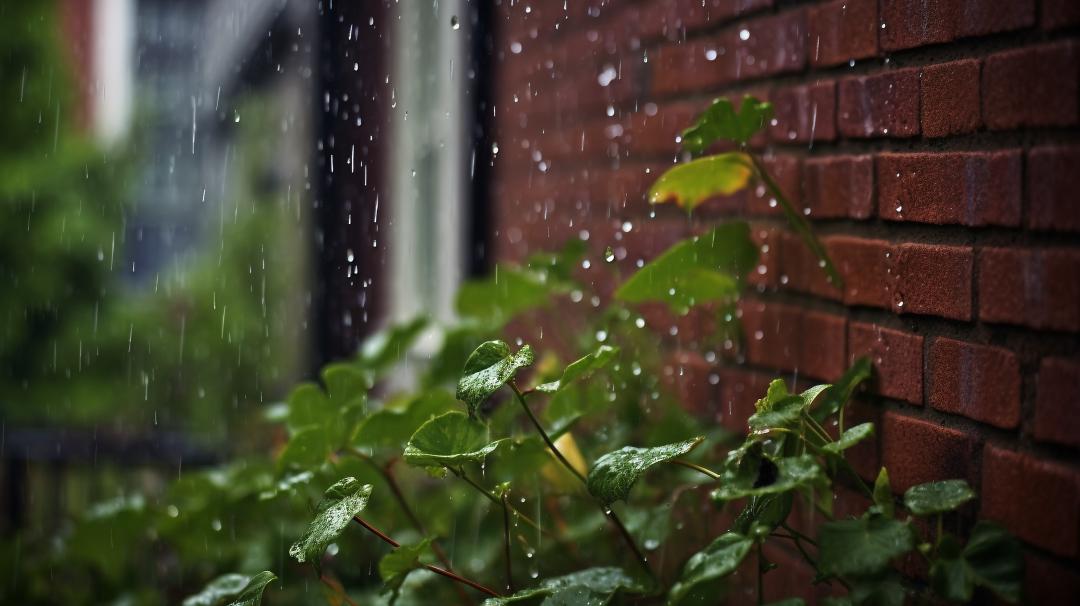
[{"x": 690, "y": 184}]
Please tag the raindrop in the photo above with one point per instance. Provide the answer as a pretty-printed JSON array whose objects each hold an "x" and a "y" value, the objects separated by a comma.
[
  {"x": 454, "y": 24},
  {"x": 609, "y": 255},
  {"x": 710, "y": 55},
  {"x": 744, "y": 34}
]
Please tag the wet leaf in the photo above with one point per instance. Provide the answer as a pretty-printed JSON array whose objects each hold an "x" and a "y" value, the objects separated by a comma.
[
  {"x": 614, "y": 474},
  {"x": 937, "y": 497},
  {"x": 218, "y": 590},
  {"x": 691, "y": 183},
  {"x": 489, "y": 367},
  {"x": 699, "y": 270},
  {"x": 838, "y": 394},
  {"x": 756, "y": 475},
  {"x": 721, "y": 558},
  {"x": 494, "y": 301},
  {"x": 580, "y": 368},
  {"x": 777, "y": 411},
  {"x": 392, "y": 427},
  {"x": 863, "y": 546},
  {"x": 992, "y": 558},
  {"x": 720, "y": 122},
  {"x": 769, "y": 510},
  {"x": 590, "y": 586},
  {"x": 396, "y": 565},
  {"x": 450, "y": 440},
  {"x": 850, "y": 438},
  {"x": 343, "y": 500},
  {"x": 251, "y": 595},
  {"x": 306, "y": 448}
]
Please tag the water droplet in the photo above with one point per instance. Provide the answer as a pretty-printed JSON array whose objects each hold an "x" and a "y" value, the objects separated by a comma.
[
  {"x": 710, "y": 55},
  {"x": 744, "y": 34},
  {"x": 609, "y": 255},
  {"x": 454, "y": 24},
  {"x": 515, "y": 47}
]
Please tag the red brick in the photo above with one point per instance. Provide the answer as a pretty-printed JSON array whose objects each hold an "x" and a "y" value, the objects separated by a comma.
[
  {"x": 865, "y": 266},
  {"x": 772, "y": 334},
  {"x": 652, "y": 130},
  {"x": 768, "y": 240},
  {"x": 1033, "y": 287},
  {"x": 1034, "y": 86},
  {"x": 839, "y": 186},
  {"x": 969, "y": 188},
  {"x": 1049, "y": 582},
  {"x": 912, "y": 23},
  {"x": 897, "y": 357},
  {"x": 981, "y": 17},
  {"x": 885, "y": 104},
  {"x": 801, "y": 269},
  {"x": 686, "y": 376},
  {"x": 804, "y": 113},
  {"x": 823, "y": 347},
  {"x": 739, "y": 390},
  {"x": 842, "y": 30},
  {"x": 977, "y": 381},
  {"x": 950, "y": 98},
  {"x": 686, "y": 66},
  {"x": 1036, "y": 499},
  {"x": 933, "y": 279},
  {"x": 1059, "y": 13},
  {"x": 786, "y": 171},
  {"x": 775, "y": 45},
  {"x": 1051, "y": 188},
  {"x": 1057, "y": 402},
  {"x": 917, "y": 451}
]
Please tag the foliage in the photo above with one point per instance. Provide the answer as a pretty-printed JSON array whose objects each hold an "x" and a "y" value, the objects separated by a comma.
[{"x": 542, "y": 510}]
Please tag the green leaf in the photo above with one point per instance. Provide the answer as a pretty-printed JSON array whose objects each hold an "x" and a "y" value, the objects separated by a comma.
[
  {"x": 593, "y": 586},
  {"x": 396, "y": 565},
  {"x": 392, "y": 427},
  {"x": 720, "y": 122},
  {"x": 777, "y": 411},
  {"x": 581, "y": 367},
  {"x": 449, "y": 440},
  {"x": 850, "y": 438},
  {"x": 508, "y": 292},
  {"x": 309, "y": 407},
  {"x": 996, "y": 560},
  {"x": 614, "y": 474},
  {"x": 385, "y": 348},
  {"x": 838, "y": 394},
  {"x": 721, "y": 558},
  {"x": 343, "y": 500},
  {"x": 345, "y": 383},
  {"x": 251, "y": 595},
  {"x": 937, "y": 497},
  {"x": 691, "y": 183},
  {"x": 489, "y": 367},
  {"x": 863, "y": 546},
  {"x": 558, "y": 267},
  {"x": 305, "y": 449},
  {"x": 287, "y": 484},
  {"x": 883, "y": 497},
  {"x": 695, "y": 271},
  {"x": 218, "y": 590}
]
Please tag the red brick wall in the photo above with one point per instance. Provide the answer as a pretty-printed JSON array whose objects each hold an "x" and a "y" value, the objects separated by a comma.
[{"x": 934, "y": 145}]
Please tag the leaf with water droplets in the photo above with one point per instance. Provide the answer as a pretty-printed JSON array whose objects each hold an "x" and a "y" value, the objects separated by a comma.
[
  {"x": 838, "y": 394},
  {"x": 580, "y": 368},
  {"x": 720, "y": 122},
  {"x": 343, "y": 500},
  {"x": 754, "y": 474},
  {"x": 691, "y": 183},
  {"x": 391, "y": 427},
  {"x": 614, "y": 474},
  {"x": 850, "y": 438},
  {"x": 594, "y": 586},
  {"x": 450, "y": 440},
  {"x": 864, "y": 546},
  {"x": 937, "y": 497},
  {"x": 992, "y": 558},
  {"x": 252, "y": 593},
  {"x": 489, "y": 367},
  {"x": 703, "y": 269},
  {"x": 721, "y": 558},
  {"x": 218, "y": 590},
  {"x": 778, "y": 410}
]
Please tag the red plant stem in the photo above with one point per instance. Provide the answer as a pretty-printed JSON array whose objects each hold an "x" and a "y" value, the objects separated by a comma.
[{"x": 440, "y": 571}]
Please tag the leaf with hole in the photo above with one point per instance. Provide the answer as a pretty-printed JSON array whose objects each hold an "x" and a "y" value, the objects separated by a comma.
[
  {"x": 342, "y": 501},
  {"x": 614, "y": 474},
  {"x": 449, "y": 440},
  {"x": 490, "y": 367},
  {"x": 703, "y": 269},
  {"x": 937, "y": 497},
  {"x": 691, "y": 183}
]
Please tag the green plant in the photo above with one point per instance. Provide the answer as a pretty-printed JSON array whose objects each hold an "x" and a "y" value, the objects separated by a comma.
[{"x": 492, "y": 443}]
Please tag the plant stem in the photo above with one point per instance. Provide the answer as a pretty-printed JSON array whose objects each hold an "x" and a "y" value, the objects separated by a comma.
[
  {"x": 494, "y": 499},
  {"x": 506, "y": 545},
  {"x": 608, "y": 511},
  {"x": 440, "y": 571},
  {"x": 338, "y": 589},
  {"x": 705, "y": 470},
  {"x": 760, "y": 575}
]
